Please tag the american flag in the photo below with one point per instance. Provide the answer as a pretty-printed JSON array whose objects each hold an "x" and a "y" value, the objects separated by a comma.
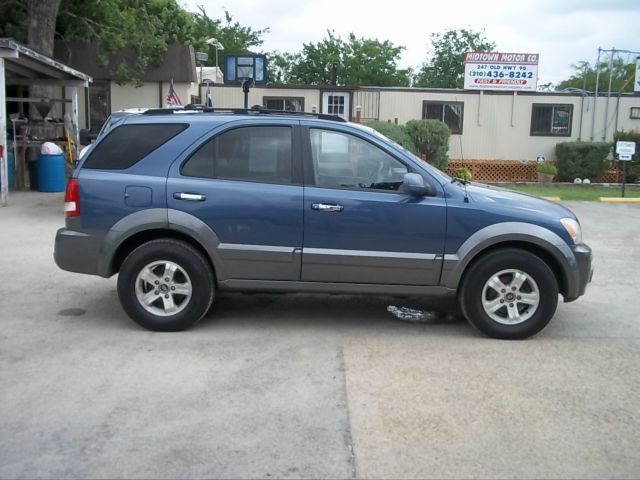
[{"x": 172, "y": 98}]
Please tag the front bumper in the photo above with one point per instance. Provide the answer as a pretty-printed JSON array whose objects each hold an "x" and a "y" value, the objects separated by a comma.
[
  {"x": 76, "y": 251},
  {"x": 584, "y": 271}
]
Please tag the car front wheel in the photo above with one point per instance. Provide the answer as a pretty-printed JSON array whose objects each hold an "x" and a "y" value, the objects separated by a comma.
[
  {"x": 509, "y": 294},
  {"x": 165, "y": 285}
]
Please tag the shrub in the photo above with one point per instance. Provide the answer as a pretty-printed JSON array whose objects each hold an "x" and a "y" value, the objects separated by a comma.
[
  {"x": 463, "y": 173},
  {"x": 633, "y": 167},
  {"x": 545, "y": 167},
  {"x": 432, "y": 139},
  {"x": 396, "y": 133},
  {"x": 581, "y": 160}
]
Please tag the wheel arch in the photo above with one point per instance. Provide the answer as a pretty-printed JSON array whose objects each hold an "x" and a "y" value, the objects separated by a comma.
[
  {"x": 551, "y": 261},
  {"x": 532, "y": 238},
  {"x": 135, "y": 240},
  {"x": 180, "y": 226}
]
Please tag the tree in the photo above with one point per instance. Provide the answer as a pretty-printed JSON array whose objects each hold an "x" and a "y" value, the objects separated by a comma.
[
  {"x": 353, "y": 62},
  {"x": 145, "y": 27},
  {"x": 445, "y": 67},
  {"x": 585, "y": 75}
]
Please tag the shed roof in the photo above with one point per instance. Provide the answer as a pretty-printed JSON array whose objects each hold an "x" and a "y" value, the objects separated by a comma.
[
  {"x": 26, "y": 66},
  {"x": 177, "y": 63}
]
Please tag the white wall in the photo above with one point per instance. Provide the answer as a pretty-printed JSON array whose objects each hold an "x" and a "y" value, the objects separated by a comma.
[
  {"x": 233, "y": 97},
  {"x": 498, "y": 126},
  {"x": 148, "y": 95},
  {"x": 495, "y": 126}
]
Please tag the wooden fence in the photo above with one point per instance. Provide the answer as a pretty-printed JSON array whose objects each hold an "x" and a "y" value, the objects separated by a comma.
[{"x": 515, "y": 171}]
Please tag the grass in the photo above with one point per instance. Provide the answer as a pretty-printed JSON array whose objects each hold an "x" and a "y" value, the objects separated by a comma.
[{"x": 572, "y": 192}]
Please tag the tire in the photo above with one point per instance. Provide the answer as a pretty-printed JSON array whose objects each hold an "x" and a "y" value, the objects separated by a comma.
[
  {"x": 509, "y": 294},
  {"x": 165, "y": 285}
]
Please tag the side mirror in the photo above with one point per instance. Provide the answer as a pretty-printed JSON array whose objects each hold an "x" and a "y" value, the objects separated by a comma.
[{"x": 415, "y": 186}]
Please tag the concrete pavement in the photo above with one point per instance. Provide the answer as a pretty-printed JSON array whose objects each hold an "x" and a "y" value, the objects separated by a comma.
[{"x": 304, "y": 386}]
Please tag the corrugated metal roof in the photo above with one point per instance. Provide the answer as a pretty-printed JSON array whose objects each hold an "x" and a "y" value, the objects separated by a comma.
[{"x": 29, "y": 64}]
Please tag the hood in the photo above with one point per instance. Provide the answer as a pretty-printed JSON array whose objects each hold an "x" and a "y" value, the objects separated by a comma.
[{"x": 508, "y": 201}]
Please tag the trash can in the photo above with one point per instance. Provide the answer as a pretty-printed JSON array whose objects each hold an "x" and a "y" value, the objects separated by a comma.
[
  {"x": 50, "y": 173},
  {"x": 11, "y": 166}
]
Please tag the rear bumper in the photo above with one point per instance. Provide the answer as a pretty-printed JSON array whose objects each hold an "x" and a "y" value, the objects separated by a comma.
[
  {"x": 584, "y": 271},
  {"x": 76, "y": 251}
]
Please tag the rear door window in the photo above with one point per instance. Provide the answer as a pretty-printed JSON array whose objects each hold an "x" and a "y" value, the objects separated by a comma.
[
  {"x": 252, "y": 154},
  {"x": 126, "y": 145}
]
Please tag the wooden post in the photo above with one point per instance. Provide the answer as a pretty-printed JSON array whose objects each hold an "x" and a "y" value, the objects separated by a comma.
[{"x": 358, "y": 111}]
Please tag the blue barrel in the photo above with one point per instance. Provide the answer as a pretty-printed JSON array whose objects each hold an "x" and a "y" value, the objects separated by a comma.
[
  {"x": 12, "y": 171},
  {"x": 50, "y": 173},
  {"x": 11, "y": 167}
]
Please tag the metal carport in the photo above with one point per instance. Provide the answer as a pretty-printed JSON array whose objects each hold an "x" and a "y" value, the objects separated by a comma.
[{"x": 20, "y": 65}]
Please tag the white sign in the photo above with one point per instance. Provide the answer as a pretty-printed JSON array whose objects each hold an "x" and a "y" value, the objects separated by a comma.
[
  {"x": 636, "y": 85},
  {"x": 501, "y": 71},
  {"x": 625, "y": 148},
  {"x": 624, "y": 158}
]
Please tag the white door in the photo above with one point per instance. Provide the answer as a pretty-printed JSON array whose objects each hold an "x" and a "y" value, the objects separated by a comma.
[{"x": 336, "y": 103}]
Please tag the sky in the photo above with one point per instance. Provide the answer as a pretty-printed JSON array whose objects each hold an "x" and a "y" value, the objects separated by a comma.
[{"x": 562, "y": 32}]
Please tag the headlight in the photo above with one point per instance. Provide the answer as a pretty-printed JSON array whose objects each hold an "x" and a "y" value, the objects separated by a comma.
[{"x": 573, "y": 229}]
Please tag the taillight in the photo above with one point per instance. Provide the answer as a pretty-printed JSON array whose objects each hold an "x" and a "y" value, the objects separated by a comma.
[{"x": 71, "y": 203}]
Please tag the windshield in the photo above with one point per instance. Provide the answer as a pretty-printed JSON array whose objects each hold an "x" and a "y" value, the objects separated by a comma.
[{"x": 433, "y": 170}]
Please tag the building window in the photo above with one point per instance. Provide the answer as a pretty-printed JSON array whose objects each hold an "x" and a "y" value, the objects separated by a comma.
[
  {"x": 450, "y": 113},
  {"x": 551, "y": 120},
  {"x": 335, "y": 105},
  {"x": 290, "y": 104},
  {"x": 635, "y": 113}
]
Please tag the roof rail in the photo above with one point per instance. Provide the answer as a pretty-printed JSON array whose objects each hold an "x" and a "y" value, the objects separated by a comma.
[{"x": 195, "y": 108}]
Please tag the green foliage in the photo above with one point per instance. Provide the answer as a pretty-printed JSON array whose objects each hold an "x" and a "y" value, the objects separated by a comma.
[
  {"x": 353, "y": 62},
  {"x": 585, "y": 77},
  {"x": 548, "y": 168},
  {"x": 445, "y": 67},
  {"x": 145, "y": 27},
  {"x": 14, "y": 14},
  {"x": 396, "y": 133},
  {"x": 464, "y": 173},
  {"x": 581, "y": 160},
  {"x": 633, "y": 167},
  {"x": 432, "y": 139}
]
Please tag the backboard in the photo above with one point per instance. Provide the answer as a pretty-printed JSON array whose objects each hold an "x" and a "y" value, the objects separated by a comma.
[{"x": 245, "y": 67}]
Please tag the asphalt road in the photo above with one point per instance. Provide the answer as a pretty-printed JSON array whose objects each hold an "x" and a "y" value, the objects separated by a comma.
[{"x": 300, "y": 386}]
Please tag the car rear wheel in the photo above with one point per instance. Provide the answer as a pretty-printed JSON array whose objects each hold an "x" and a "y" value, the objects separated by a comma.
[
  {"x": 165, "y": 285},
  {"x": 509, "y": 294}
]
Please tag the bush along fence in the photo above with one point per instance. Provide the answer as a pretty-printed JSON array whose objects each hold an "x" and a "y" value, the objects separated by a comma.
[{"x": 429, "y": 139}]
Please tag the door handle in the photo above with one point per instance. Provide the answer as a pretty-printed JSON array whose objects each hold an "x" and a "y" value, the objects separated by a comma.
[
  {"x": 327, "y": 207},
  {"x": 191, "y": 197}
]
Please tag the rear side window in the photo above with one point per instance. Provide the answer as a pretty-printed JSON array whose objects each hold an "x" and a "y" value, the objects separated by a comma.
[
  {"x": 128, "y": 144},
  {"x": 253, "y": 154}
]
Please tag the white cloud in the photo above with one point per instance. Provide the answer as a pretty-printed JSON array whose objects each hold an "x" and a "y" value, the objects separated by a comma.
[{"x": 563, "y": 32}]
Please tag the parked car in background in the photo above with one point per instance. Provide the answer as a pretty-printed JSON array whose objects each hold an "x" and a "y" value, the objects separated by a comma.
[{"x": 183, "y": 206}]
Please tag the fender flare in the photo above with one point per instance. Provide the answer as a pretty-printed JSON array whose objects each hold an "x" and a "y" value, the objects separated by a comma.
[{"x": 454, "y": 265}]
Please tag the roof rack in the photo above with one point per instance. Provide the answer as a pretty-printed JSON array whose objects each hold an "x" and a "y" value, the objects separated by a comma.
[{"x": 195, "y": 108}]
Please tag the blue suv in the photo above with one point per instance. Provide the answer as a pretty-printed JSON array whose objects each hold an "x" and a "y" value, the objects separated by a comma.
[{"x": 184, "y": 203}]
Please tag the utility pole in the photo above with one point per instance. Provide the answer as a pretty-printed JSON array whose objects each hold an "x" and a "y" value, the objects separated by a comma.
[
  {"x": 595, "y": 98},
  {"x": 612, "y": 54}
]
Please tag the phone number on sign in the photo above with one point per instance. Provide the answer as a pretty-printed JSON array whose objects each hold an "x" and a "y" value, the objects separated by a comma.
[{"x": 496, "y": 74}]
